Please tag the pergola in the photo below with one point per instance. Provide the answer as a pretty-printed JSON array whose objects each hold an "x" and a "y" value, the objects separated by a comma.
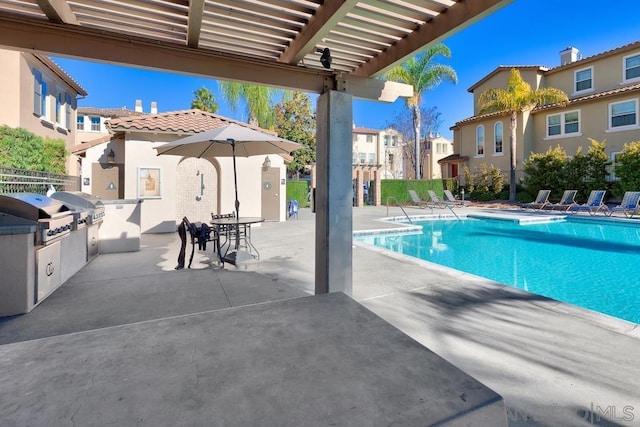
[{"x": 276, "y": 43}]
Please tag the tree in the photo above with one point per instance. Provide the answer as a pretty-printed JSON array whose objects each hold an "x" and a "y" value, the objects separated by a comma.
[
  {"x": 257, "y": 99},
  {"x": 430, "y": 121},
  {"x": 204, "y": 100},
  {"x": 423, "y": 74},
  {"x": 294, "y": 120},
  {"x": 516, "y": 98},
  {"x": 22, "y": 149}
]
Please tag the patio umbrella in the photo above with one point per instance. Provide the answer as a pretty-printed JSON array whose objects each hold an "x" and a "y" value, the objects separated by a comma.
[{"x": 231, "y": 140}]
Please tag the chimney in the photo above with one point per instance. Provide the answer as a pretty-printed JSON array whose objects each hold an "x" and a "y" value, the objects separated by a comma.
[
  {"x": 569, "y": 55},
  {"x": 139, "y": 105},
  {"x": 154, "y": 107}
]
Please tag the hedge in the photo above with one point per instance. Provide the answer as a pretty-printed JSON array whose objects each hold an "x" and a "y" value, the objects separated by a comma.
[
  {"x": 399, "y": 188},
  {"x": 298, "y": 190}
]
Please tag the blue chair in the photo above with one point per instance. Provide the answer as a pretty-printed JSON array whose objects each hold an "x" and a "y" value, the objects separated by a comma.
[{"x": 293, "y": 208}]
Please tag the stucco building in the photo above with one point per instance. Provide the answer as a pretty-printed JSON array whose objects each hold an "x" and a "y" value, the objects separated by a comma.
[
  {"x": 39, "y": 96},
  {"x": 123, "y": 165},
  {"x": 604, "y": 94}
]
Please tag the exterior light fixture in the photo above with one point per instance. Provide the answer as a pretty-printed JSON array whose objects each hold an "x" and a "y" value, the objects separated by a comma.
[
  {"x": 325, "y": 59},
  {"x": 111, "y": 157},
  {"x": 267, "y": 163}
]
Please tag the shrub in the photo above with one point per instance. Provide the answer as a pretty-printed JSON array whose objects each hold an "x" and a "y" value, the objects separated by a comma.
[
  {"x": 627, "y": 167},
  {"x": 22, "y": 149},
  {"x": 545, "y": 170},
  {"x": 488, "y": 180}
]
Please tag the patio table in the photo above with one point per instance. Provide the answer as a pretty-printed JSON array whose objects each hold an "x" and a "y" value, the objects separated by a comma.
[{"x": 236, "y": 230}]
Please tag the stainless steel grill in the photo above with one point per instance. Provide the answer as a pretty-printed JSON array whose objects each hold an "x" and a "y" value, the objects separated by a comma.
[
  {"x": 82, "y": 201},
  {"x": 52, "y": 218}
]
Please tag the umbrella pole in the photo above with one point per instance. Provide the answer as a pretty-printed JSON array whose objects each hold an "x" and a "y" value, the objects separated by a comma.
[{"x": 235, "y": 182}]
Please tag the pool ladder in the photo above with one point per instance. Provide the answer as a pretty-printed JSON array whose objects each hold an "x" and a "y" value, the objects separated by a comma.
[{"x": 400, "y": 206}]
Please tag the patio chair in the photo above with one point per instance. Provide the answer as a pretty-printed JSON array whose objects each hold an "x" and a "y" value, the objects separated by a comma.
[
  {"x": 421, "y": 203},
  {"x": 293, "y": 208},
  {"x": 435, "y": 200},
  {"x": 542, "y": 200},
  {"x": 594, "y": 204},
  {"x": 199, "y": 233},
  {"x": 566, "y": 202},
  {"x": 630, "y": 204},
  {"x": 451, "y": 200}
]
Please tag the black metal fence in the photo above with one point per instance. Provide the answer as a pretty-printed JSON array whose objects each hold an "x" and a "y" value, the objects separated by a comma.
[{"x": 27, "y": 181}]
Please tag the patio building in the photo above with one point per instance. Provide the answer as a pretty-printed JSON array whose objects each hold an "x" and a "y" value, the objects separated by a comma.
[
  {"x": 123, "y": 165},
  {"x": 604, "y": 95}
]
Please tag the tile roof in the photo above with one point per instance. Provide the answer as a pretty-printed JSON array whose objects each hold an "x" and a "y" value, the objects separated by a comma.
[
  {"x": 57, "y": 70},
  {"x": 580, "y": 62},
  {"x": 501, "y": 68},
  {"x": 590, "y": 97},
  {"x": 178, "y": 122},
  {"x": 478, "y": 118},
  {"x": 81, "y": 148},
  {"x": 108, "y": 112},
  {"x": 366, "y": 130}
]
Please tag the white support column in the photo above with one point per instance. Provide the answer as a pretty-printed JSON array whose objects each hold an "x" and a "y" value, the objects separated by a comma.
[{"x": 334, "y": 193}]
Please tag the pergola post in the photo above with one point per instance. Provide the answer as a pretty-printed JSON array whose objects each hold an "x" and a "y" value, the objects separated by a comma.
[{"x": 334, "y": 193}]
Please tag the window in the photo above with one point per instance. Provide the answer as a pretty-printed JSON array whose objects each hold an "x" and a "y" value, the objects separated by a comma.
[
  {"x": 480, "y": 141},
  {"x": 369, "y": 138},
  {"x": 584, "y": 80},
  {"x": 623, "y": 114},
  {"x": 612, "y": 166},
  {"x": 386, "y": 140},
  {"x": 372, "y": 158},
  {"x": 80, "y": 123},
  {"x": 390, "y": 160},
  {"x": 394, "y": 141},
  {"x": 95, "y": 124},
  {"x": 39, "y": 94},
  {"x": 498, "y": 138},
  {"x": 67, "y": 110},
  {"x": 563, "y": 124},
  {"x": 59, "y": 104},
  {"x": 631, "y": 67},
  {"x": 363, "y": 158}
]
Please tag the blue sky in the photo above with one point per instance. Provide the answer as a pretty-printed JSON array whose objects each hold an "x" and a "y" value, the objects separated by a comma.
[{"x": 526, "y": 32}]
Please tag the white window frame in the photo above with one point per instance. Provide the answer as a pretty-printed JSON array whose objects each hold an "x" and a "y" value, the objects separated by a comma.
[
  {"x": 91, "y": 123},
  {"x": 387, "y": 138},
  {"x": 369, "y": 138},
  {"x": 495, "y": 139},
  {"x": 563, "y": 123},
  {"x": 611, "y": 128},
  {"x": 591, "y": 88},
  {"x": 372, "y": 158},
  {"x": 362, "y": 158},
  {"x": 624, "y": 69},
  {"x": 480, "y": 144},
  {"x": 58, "y": 113},
  {"x": 37, "y": 92},
  {"x": 80, "y": 120},
  {"x": 67, "y": 110}
]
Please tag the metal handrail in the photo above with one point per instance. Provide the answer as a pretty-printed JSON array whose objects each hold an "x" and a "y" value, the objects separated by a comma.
[{"x": 400, "y": 206}]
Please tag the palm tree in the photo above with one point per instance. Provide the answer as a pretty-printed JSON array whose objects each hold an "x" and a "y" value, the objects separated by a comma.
[
  {"x": 257, "y": 99},
  {"x": 204, "y": 100},
  {"x": 421, "y": 72},
  {"x": 516, "y": 98}
]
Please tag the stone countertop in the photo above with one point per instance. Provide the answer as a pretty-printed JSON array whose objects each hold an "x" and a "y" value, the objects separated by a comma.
[{"x": 10, "y": 224}]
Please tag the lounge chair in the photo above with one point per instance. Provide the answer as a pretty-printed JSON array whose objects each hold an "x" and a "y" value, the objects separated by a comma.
[
  {"x": 451, "y": 200},
  {"x": 542, "y": 200},
  {"x": 630, "y": 204},
  {"x": 421, "y": 203},
  {"x": 566, "y": 202},
  {"x": 594, "y": 204},
  {"x": 435, "y": 200}
]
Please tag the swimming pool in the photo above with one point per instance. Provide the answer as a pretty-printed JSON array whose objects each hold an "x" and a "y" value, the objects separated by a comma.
[{"x": 581, "y": 262}]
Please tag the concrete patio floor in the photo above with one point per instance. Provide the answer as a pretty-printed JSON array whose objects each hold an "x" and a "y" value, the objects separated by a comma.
[{"x": 552, "y": 364}]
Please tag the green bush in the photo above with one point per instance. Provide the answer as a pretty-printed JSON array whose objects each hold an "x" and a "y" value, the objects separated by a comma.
[
  {"x": 524, "y": 197},
  {"x": 487, "y": 182},
  {"x": 482, "y": 196},
  {"x": 22, "y": 149},
  {"x": 627, "y": 168},
  {"x": 399, "y": 188},
  {"x": 298, "y": 190}
]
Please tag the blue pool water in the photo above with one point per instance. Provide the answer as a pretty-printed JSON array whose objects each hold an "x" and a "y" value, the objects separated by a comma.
[{"x": 592, "y": 265}]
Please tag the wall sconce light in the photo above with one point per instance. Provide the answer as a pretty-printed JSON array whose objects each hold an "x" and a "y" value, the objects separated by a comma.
[
  {"x": 266, "y": 164},
  {"x": 111, "y": 157},
  {"x": 325, "y": 59}
]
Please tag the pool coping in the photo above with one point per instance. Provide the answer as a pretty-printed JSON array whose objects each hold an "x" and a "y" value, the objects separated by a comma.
[{"x": 603, "y": 320}]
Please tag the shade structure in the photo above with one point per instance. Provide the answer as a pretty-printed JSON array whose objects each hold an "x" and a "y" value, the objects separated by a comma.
[{"x": 229, "y": 141}]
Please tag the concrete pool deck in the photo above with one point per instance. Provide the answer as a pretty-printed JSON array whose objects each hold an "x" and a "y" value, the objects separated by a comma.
[{"x": 552, "y": 367}]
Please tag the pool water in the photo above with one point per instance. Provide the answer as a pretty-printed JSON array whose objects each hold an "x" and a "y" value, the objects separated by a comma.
[{"x": 592, "y": 265}]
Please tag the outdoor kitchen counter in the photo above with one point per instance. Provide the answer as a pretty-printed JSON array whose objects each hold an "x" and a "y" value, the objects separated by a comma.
[{"x": 120, "y": 230}]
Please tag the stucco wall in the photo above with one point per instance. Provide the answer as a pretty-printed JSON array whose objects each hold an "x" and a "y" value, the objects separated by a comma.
[{"x": 10, "y": 99}]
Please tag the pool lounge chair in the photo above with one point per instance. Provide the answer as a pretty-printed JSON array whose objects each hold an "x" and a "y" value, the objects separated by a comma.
[
  {"x": 566, "y": 202},
  {"x": 421, "y": 203},
  {"x": 435, "y": 200},
  {"x": 594, "y": 204},
  {"x": 542, "y": 200},
  {"x": 630, "y": 204},
  {"x": 452, "y": 201}
]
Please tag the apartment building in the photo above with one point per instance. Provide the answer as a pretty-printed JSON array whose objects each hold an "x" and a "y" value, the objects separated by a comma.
[
  {"x": 604, "y": 94},
  {"x": 39, "y": 96}
]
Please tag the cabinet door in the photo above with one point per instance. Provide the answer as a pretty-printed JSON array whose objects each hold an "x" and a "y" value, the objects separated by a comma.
[{"x": 47, "y": 270}]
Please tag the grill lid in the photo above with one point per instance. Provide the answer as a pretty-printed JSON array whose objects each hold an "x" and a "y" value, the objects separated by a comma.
[
  {"x": 78, "y": 198},
  {"x": 32, "y": 206}
]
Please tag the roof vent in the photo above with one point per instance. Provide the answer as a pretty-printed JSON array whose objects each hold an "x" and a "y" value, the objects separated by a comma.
[
  {"x": 569, "y": 55},
  {"x": 139, "y": 105},
  {"x": 154, "y": 107}
]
